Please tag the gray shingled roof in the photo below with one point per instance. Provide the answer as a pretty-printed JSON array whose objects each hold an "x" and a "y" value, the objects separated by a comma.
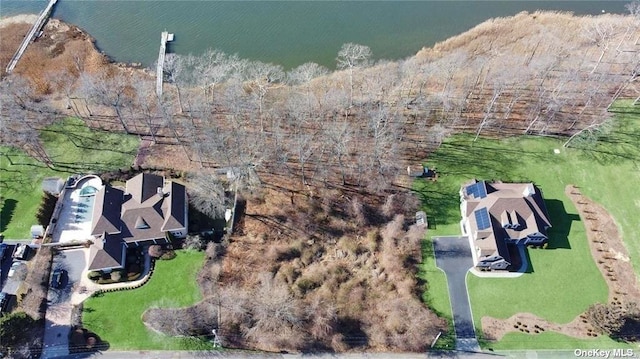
[
  {"x": 144, "y": 186},
  {"x": 107, "y": 253},
  {"x": 106, "y": 211},
  {"x": 174, "y": 207},
  {"x": 141, "y": 214}
]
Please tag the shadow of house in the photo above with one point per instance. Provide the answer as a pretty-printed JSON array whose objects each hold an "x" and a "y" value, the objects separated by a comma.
[
  {"x": 6, "y": 214},
  {"x": 562, "y": 221},
  {"x": 442, "y": 204},
  {"x": 520, "y": 255}
]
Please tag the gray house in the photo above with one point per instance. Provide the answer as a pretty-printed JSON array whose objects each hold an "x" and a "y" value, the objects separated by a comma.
[
  {"x": 147, "y": 211},
  {"x": 496, "y": 216}
]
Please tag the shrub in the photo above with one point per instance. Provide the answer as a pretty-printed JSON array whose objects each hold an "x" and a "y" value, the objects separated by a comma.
[
  {"x": 94, "y": 275},
  {"x": 155, "y": 251},
  {"x": 619, "y": 322},
  {"x": 116, "y": 276},
  {"x": 193, "y": 242},
  {"x": 373, "y": 239},
  {"x": 47, "y": 206},
  {"x": 168, "y": 255}
]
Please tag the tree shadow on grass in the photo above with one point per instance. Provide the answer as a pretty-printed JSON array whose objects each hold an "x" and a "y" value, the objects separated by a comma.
[
  {"x": 85, "y": 343},
  {"x": 478, "y": 161},
  {"x": 561, "y": 222},
  {"x": 440, "y": 203},
  {"x": 6, "y": 214}
]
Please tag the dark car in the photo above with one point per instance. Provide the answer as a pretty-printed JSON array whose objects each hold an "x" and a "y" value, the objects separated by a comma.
[
  {"x": 58, "y": 277},
  {"x": 3, "y": 246},
  {"x": 4, "y": 300}
]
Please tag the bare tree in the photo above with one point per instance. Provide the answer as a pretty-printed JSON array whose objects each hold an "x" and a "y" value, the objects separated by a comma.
[
  {"x": 352, "y": 56},
  {"x": 22, "y": 115},
  {"x": 66, "y": 82},
  {"x": 109, "y": 89},
  {"x": 633, "y": 8},
  {"x": 339, "y": 136},
  {"x": 275, "y": 314},
  {"x": 261, "y": 78},
  {"x": 213, "y": 68},
  {"x": 207, "y": 194},
  {"x": 178, "y": 70},
  {"x": 145, "y": 99},
  {"x": 600, "y": 33},
  {"x": 304, "y": 74}
]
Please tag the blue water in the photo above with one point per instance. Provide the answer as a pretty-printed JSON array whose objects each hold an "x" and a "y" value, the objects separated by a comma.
[{"x": 284, "y": 32}]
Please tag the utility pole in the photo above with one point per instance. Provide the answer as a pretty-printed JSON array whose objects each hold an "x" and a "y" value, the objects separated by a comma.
[{"x": 216, "y": 340}]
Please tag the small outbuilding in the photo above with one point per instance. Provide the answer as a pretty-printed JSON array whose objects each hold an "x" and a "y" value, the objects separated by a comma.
[
  {"x": 53, "y": 185},
  {"x": 421, "y": 219},
  {"x": 415, "y": 170},
  {"x": 37, "y": 231}
]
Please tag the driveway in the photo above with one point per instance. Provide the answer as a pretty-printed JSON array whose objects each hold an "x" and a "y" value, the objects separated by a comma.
[
  {"x": 59, "y": 310},
  {"x": 453, "y": 256}
]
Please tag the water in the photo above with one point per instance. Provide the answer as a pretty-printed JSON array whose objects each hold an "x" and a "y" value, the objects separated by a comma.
[{"x": 285, "y": 32}]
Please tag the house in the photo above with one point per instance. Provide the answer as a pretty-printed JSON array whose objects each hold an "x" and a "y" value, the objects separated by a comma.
[
  {"x": 149, "y": 210},
  {"x": 498, "y": 216}
]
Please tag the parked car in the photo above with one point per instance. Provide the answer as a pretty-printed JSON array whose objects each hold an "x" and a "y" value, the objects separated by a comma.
[
  {"x": 14, "y": 268},
  {"x": 4, "y": 300},
  {"x": 58, "y": 277},
  {"x": 21, "y": 252}
]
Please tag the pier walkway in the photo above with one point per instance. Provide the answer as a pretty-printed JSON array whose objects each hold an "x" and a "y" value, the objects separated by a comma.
[
  {"x": 35, "y": 29},
  {"x": 166, "y": 37}
]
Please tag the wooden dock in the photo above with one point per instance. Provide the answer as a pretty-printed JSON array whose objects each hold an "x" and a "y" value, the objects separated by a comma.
[
  {"x": 166, "y": 37},
  {"x": 35, "y": 29}
]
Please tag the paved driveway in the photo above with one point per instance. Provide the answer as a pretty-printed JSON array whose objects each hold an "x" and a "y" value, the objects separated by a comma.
[
  {"x": 453, "y": 256},
  {"x": 58, "y": 316}
]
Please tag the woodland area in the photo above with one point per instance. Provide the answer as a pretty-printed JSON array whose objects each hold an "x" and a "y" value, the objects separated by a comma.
[{"x": 319, "y": 157}]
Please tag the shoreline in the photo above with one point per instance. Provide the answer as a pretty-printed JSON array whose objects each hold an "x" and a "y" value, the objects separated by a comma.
[{"x": 18, "y": 19}]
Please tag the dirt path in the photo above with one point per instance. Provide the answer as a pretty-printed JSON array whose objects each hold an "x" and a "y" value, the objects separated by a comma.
[{"x": 612, "y": 259}]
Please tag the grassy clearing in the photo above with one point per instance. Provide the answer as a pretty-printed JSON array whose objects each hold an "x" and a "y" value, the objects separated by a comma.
[
  {"x": 606, "y": 169},
  {"x": 74, "y": 148},
  {"x": 116, "y": 317}
]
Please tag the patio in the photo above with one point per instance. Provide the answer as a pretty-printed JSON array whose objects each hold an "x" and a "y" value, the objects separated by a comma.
[{"x": 74, "y": 221}]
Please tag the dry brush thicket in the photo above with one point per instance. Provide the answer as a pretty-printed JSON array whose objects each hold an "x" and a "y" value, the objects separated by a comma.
[{"x": 326, "y": 273}]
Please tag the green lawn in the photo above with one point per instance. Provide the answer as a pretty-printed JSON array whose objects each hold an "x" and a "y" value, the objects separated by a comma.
[
  {"x": 563, "y": 280},
  {"x": 436, "y": 283},
  {"x": 116, "y": 317},
  {"x": 74, "y": 148},
  {"x": 552, "y": 340}
]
